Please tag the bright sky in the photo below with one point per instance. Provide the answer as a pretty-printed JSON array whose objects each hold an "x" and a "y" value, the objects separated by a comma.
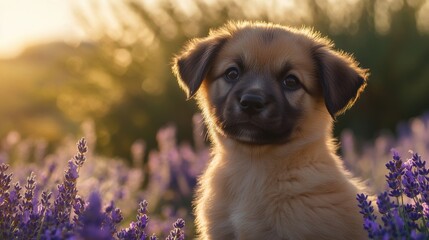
[{"x": 23, "y": 22}]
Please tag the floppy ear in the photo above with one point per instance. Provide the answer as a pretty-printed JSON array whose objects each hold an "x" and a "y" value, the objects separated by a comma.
[
  {"x": 193, "y": 63},
  {"x": 341, "y": 79}
]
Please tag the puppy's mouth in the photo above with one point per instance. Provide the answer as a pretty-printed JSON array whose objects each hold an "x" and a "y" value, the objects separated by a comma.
[{"x": 254, "y": 133}]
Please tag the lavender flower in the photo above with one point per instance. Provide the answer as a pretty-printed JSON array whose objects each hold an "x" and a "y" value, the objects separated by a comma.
[
  {"x": 5, "y": 180},
  {"x": 25, "y": 216},
  {"x": 7, "y": 204},
  {"x": 385, "y": 205},
  {"x": 92, "y": 220},
  {"x": 396, "y": 169},
  {"x": 80, "y": 158},
  {"x": 113, "y": 218},
  {"x": 28, "y": 226},
  {"x": 409, "y": 181},
  {"x": 67, "y": 194},
  {"x": 137, "y": 229},
  {"x": 367, "y": 211},
  {"x": 29, "y": 193},
  {"x": 78, "y": 208},
  {"x": 408, "y": 217},
  {"x": 177, "y": 233}
]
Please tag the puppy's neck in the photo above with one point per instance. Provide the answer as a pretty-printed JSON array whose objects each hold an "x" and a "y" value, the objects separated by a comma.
[{"x": 227, "y": 148}]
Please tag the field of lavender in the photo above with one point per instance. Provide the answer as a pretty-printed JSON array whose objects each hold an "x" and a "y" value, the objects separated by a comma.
[{"x": 69, "y": 195}]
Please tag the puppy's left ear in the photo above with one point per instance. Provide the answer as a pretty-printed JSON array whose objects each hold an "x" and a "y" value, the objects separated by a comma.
[
  {"x": 193, "y": 63},
  {"x": 341, "y": 78}
]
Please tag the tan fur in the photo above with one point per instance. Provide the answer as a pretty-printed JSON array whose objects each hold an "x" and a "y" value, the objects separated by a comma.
[{"x": 294, "y": 190}]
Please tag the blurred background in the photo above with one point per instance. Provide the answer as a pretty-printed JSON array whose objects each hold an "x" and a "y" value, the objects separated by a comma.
[
  {"x": 106, "y": 63},
  {"x": 102, "y": 69}
]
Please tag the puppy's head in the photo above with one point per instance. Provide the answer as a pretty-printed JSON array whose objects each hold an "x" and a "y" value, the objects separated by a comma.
[{"x": 260, "y": 83}]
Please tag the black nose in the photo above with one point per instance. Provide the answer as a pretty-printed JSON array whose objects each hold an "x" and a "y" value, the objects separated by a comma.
[{"x": 252, "y": 103}]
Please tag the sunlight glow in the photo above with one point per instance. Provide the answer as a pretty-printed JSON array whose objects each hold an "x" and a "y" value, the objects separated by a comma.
[
  {"x": 25, "y": 22},
  {"x": 423, "y": 18}
]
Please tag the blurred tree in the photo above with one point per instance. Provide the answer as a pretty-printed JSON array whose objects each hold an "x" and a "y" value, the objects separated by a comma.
[{"x": 123, "y": 81}]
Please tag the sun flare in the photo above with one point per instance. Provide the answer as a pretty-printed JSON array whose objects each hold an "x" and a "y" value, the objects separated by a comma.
[{"x": 26, "y": 22}]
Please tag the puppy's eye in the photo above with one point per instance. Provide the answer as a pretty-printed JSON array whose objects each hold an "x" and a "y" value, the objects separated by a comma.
[
  {"x": 232, "y": 74},
  {"x": 291, "y": 83}
]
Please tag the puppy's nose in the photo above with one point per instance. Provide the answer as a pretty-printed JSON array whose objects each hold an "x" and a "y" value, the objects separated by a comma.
[{"x": 252, "y": 103}]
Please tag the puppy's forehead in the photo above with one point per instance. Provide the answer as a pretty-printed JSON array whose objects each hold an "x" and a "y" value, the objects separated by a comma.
[{"x": 271, "y": 49}]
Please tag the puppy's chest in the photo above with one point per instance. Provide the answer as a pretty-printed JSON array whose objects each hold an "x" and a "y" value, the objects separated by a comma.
[
  {"x": 264, "y": 200},
  {"x": 258, "y": 181}
]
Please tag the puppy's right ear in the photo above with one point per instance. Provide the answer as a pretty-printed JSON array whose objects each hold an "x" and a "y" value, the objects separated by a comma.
[
  {"x": 341, "y": 78},
  {"x": 193, "y": 63}
]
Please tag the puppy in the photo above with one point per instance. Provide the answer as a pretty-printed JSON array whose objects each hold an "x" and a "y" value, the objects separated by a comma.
[{"x": 269, "y": 95}]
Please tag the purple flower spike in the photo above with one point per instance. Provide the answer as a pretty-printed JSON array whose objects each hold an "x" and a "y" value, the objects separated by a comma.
[
  {"x": 177, "y": 233},
  {"x": 395, "y": 154},
  {"x": 117, "y": 216},
  {"x": 73, "y": 172},
  {"x": 143, "y": 207},
  {"x": 92, "y": 219},
  {"x": 384, "y": 204},
  {"x": 370, "y": 224},
  {"x": 82, "y": 149},
  {"x": 396, "y": 169},
  {"x": 29, "y": 192},
  {"x": 180, "y": 223},
  {"x": 408, "y": 216},
  {"x": 411, "y": 187},
  {"x": 5, "y": 179},
  {"x": 366, "y": 209}
]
